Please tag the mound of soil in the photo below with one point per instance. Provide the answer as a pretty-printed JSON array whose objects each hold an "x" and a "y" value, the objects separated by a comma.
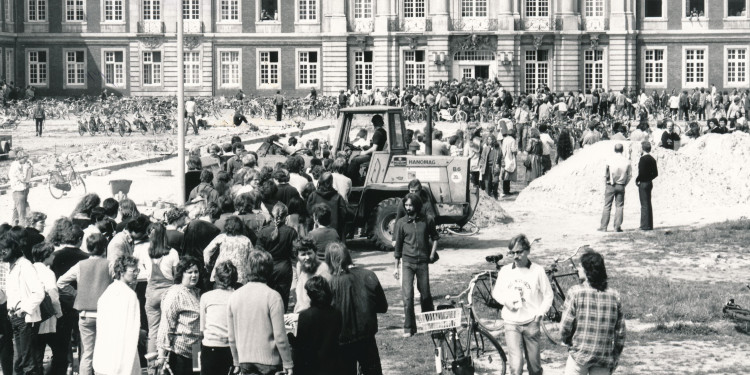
[
  {"x": 712, "y": 172},
  {"x": 489, "y": 212}
]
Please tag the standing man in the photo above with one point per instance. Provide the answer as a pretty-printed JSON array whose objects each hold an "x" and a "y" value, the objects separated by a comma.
[
  {"x": 548, "y": 144},
  {"x": 308, "y": 265},
  {"x": 414, "y": 232},
  {"x": 39, "y": 118},
  {"x": 647, "y": 172},
  {"x": 19, "y": 176},
  {"x": 616, "y": 177},
  {"x": 190, "y": 110},
  {"x": 523, "y": 288},
  {"x": 592, "y": 323},
  {"x": 278, "y": 101}
]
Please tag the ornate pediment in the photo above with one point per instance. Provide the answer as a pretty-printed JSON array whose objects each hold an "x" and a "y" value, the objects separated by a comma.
[
  {"x": 474, "y": 42},
  {"x": 192, "y": 42},
  {"x": 151, "y": 42}
]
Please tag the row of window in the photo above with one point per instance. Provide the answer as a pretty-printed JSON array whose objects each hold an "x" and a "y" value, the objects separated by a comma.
[
  {"x": 695, "y": 66},
  {"x": 229, "y": 61},
  {"x": 113, "y": 10},
  {"x": 307, "y": 10},
  {"x": 693, "y": 8}
]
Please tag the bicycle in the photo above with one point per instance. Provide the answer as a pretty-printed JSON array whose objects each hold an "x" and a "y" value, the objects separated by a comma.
[
  {"x": 462, "y": 346},
  {"x": 561, "y": 280},
  {"x": 62, "y": 182}
]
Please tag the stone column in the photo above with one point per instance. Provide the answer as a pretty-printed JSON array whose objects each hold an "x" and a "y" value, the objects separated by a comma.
[
  {"x": 505, "y": 15},
  {"x": 383, "y": 13},
  {"x": 334, "y": 15},
  {"x": 568, "y": 14},
  {"x": 440, "y": 15}
]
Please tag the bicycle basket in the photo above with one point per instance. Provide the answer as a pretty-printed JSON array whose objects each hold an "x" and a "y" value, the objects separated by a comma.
[
  {"x": 438, "y": 320},
  {"x": 64, "y": 186}
]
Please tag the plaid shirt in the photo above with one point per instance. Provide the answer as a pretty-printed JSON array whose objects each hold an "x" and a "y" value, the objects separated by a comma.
[
  {"x": 180, "y": 320},
  {"x": 593, "y": 326}
]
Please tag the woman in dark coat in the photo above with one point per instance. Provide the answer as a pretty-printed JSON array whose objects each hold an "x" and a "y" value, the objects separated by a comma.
[{"x": 328, "y": 195}]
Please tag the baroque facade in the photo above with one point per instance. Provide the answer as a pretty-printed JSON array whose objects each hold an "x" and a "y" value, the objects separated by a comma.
[{"x": 74, "y": 47}]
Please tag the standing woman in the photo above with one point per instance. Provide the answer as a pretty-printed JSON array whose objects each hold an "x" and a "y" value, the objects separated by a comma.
[
  {"x": 534, "y": 165},
  {"x": 179, "y": 328},
  {"x": 216, "y": 356},
  {"x": 564, "y": 146},
  {"x": 232, "y": 246},
  {"x": 161, "y": 267},
  {"x": 118, "y": 323},
  {"x": 39, "y": 117},
  {"x": 278, "y": 239},
  {"x": 508, "y": 173}
]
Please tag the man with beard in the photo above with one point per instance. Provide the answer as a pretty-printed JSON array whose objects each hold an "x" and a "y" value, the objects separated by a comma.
[
  {"x": 308, "y": 266},
  {"x": 414, "y": 232}
]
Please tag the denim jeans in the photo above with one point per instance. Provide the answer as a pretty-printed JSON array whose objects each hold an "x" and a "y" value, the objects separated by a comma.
[
  {"x": 20, "y": 206},
  {"x": 523, "y": 339},
  {"x": 258, "y": 369},
  {"x": 613, "y": 193},
  {"x": 365, "y": 352},
  {"x": 647, "y": 212},
  {"x": 153, "y": 315},
  {"x": 24, "y": 355},
  {"x": 573, "y": 368},
  {"x": 422, "y": 272},
  {"x": 87, "y": 327},
  {"x": 215, "y": 360},
  {"x": 60, "y": 343}
]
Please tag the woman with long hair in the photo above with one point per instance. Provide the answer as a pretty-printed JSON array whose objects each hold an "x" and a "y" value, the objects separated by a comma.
[
  {"x": 160, "y": 268},
  {"x": 81, "y": 214},
  {"x": 232, "y": 245},
  {"x": 564, "y": 145},
  {"x": 534, "y": 168},
  {"x": 278, "y": 239},
  {"x": 128, "y": 212}
]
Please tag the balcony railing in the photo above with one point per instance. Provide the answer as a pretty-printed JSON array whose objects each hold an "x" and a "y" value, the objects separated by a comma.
[
  {"x": 361, "y": 25},
  {"x": 596, "y": 24},
  {"x": 537, "y": 24},
  {"x": 150, "y": 27},
  {"x": 192, "y": 26},
  {"x": 415, "y": 25},
  {"x": 474, "y": 24}
]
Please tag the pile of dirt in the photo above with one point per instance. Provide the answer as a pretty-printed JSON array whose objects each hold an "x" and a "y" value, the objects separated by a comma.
[
  {"x": 712, "y": 172},
  {"x": 489, "y": 212}
]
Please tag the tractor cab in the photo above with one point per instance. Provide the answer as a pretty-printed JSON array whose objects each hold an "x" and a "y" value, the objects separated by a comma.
[{"x": 356, "y": 130}]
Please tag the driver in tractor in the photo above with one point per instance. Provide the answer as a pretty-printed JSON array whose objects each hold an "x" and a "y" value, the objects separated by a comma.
[{"x": 377, "y": 143}]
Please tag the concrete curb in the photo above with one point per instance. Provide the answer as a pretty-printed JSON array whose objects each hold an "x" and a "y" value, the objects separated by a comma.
[{"x": 38, "y": 180}]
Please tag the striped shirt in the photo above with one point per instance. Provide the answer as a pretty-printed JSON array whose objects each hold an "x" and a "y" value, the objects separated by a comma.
[
  {"x": 180, "y": 319},
  {"x": 593, "y": 326}
]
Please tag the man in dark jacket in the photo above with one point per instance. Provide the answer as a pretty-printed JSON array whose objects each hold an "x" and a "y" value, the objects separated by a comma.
[
  {"x": 328, "y": 195},
  {"x": 284, "y": 192},
  {"x": 323, "y": 234},
  {"x": 647, "y": 172},
  {"x": 358, "y": 295}
]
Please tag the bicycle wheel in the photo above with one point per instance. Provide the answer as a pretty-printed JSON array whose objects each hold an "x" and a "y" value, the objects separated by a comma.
[
  {"x": 550, "y": 324},
  {"x": 77, "y": 185},
  {"x": 121, "y": 129},
  {"x": 127, "y": 126},
  {"x": 487, "y": 356},
  {"x": 81, "y": 129},
  {"x": 52, "y": 184},
  {"x": 461, "y": 116},
  {"x": 468, "y": 229},
  {"x": 487, "y": 310},
  {"x": 105, "y": 126}
]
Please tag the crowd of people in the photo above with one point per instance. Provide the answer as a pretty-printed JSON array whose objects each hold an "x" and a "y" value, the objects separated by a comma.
[{"x": 251, "y": 245}]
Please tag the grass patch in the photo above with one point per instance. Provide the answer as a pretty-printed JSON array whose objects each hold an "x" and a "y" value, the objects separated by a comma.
[
  {"x": 658, "y": 299},
  {"x": 731, "y": 233},
  {"x": 684, "y": 329}
]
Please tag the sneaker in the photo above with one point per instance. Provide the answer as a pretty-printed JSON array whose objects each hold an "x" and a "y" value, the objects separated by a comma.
[{"x": 406, "y": 335}]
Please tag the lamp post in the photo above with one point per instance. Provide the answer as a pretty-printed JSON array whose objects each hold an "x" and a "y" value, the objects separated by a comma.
[{"x": 181, "y": 110}]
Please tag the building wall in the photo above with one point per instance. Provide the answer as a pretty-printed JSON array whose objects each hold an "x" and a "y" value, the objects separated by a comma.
[{"x": 622, "y": 34}]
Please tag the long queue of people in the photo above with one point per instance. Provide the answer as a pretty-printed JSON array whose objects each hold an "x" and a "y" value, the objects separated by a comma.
[{"x": 133, "y": 291}]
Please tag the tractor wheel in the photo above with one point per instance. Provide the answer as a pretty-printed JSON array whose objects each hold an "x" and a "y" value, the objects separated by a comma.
[{"x": 385, "y": 221}]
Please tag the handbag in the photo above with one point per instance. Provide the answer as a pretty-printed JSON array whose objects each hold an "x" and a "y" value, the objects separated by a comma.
[{"x": 45, "y": 308}]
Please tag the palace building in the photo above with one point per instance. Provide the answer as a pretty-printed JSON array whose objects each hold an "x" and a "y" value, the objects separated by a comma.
[{"x": 75, "y": 47}]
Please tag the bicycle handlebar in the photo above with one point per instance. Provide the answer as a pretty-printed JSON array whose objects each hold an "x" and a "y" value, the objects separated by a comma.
[{"x": 558, "y": 259}]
